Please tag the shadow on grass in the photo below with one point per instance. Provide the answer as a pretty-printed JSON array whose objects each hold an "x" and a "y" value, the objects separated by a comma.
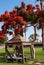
[
  {"x": 3, "y": 60},
  {"x": 2, "y": 57}
]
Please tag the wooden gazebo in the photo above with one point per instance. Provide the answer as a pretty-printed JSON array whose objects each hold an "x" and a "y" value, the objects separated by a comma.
[{"x": 18, "y": 41}]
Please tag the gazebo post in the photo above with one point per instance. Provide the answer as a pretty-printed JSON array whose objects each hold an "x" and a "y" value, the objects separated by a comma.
[
  {"x": 32, "y": 45},
  {"x": 22, "y": 54},
  {"x": 32, "y": 50},
  {"x": 20, "y": 42}
]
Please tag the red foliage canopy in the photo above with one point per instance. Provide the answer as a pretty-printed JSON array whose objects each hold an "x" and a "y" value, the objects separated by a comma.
[{"x": 20, "y": 16}]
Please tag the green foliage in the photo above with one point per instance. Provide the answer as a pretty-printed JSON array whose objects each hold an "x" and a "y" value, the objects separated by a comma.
[
  {"x": 30, "y": 18},
  {"x": 32, "y": 37},
  {"x": 37, "y": 0},
  {"x": 16, "y": 7}
]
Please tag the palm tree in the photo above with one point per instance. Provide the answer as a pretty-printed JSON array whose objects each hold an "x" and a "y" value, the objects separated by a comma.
[
  {"x": 32, "y": 37},
  {"x": 40, "y": 2}
]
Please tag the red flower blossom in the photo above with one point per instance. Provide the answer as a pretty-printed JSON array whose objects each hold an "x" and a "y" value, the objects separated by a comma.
[
  {"x": 38, "y": 11},
  {"x": 6, "y": 23},
  {"x": 29, "y": 11},
  {"x": 6, "y": 16},
  {"x": 14, "y": 12},
  {"x": 22, "y": 4},
  {"x": 6, "y": 12},
  {"x": 37, "y": 6},
  {"x": 29, "y": 6},
  {"x": 24, "y": 23},
  {"x": 1, "y": 18},
  {"x": 12, "y": 23},
  {"x": 19, "y": 25},
  {"x": 20, "y": 18},
  {"x": 15, "y": 18},
  {"x": 42, "y": 24},
  {"x": 4, "y": 31},
  {"x": 18, "y": 30},
  {"x": 1, "y": 36}
]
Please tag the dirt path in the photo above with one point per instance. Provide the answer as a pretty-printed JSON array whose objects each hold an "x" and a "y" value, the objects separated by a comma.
[{"x": 42, "y": 63}]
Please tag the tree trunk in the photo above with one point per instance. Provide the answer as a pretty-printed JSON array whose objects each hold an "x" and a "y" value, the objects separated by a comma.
[
  {"x": 22, "y": 54},
  {"x": 35, "y": 32},
  {"x": 21, "y": 33},
  {"x": 41, "y": 4},
  {"x": 43, "y": 38},
  {"x": 16, "y": 32}
]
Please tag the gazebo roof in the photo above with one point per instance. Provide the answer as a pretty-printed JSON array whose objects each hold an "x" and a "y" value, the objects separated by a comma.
[{"x": 18, "y": 39}]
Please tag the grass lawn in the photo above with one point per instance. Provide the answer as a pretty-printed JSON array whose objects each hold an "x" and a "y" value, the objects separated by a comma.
[{"x": 39, "y": 57}]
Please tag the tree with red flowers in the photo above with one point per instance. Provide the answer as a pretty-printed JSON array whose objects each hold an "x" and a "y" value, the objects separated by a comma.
[
  {"x": 19, "y": 17},
  {"x": 11, "y": 21}
]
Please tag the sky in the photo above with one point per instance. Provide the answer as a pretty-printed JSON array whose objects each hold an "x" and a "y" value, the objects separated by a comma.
[{"x": 10, "y": 4}]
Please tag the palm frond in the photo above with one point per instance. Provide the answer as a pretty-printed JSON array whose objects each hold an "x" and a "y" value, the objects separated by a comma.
[{"x": 36, "y": 1}]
